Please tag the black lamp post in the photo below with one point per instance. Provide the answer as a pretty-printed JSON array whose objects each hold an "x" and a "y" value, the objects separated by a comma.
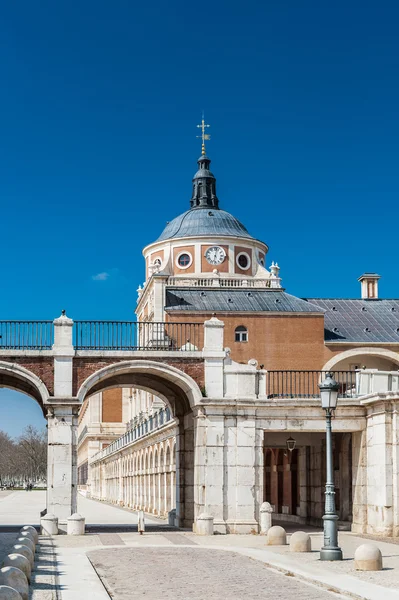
[{"x": 329, "y": 395}]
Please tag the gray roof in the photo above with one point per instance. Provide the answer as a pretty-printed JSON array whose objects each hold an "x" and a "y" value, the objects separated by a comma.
[
  {"x": 235, "y": 300},
  {"x": 204, "y": 221},
  {"x": 373, "y": 321}
]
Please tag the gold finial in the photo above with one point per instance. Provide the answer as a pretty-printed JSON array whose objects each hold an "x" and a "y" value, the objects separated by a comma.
[{"x": 204, "y": 136}]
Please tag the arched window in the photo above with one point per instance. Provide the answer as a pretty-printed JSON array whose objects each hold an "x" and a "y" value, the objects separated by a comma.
[{"x": 241, "y": 334}]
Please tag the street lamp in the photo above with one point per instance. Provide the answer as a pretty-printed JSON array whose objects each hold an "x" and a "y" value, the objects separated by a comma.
[{"x": 329, "y": 395}]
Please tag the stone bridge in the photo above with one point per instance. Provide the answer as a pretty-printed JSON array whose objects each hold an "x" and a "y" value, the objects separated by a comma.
[{"x": 226, "y": 414}]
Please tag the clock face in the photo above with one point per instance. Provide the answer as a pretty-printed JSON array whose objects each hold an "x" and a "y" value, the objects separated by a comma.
[{"x": 215, "y": 255}]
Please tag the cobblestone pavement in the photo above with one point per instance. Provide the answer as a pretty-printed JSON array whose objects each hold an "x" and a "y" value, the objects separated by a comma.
[{"x": 195, "y": 574}]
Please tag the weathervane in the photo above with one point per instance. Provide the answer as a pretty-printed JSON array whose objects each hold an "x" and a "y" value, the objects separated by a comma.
[{"x": 204, "y": 136}]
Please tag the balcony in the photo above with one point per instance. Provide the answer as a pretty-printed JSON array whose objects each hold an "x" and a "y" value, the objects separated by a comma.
[{"x": 352, "y": 384}]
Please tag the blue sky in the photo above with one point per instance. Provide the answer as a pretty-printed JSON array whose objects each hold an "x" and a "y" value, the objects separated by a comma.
[{"x": 98, "y": 116}]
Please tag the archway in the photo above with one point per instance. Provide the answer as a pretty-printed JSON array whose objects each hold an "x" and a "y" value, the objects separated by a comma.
[
  {"x": 180, "y": 393},
  {"x": 23, "y": 443},
  {"x": 368, "y": 357}
]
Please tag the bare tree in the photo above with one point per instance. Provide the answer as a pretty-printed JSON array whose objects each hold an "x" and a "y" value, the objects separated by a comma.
[{"x": 32, "y": 450}]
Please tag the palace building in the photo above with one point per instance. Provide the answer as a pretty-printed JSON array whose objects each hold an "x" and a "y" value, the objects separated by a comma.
[{"x": 271, "y": 351}]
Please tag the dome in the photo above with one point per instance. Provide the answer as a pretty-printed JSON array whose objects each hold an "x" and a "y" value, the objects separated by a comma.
[{"x": 204, "y": 221}]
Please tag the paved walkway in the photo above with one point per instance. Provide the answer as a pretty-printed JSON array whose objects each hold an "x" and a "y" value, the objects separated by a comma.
[
  {"x": 195, "y": 573},
  {"x": 171, "y": 555},
  {"x": 21, "y": 508}
]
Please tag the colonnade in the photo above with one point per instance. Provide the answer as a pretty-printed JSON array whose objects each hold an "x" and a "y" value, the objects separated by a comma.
[{"x": 141, "y": 479}]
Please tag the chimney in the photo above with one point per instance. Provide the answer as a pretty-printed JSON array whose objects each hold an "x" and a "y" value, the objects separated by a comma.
[{"x": 369, "y": 285}]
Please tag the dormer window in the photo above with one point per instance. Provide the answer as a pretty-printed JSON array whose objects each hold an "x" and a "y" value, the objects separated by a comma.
[{"x": 241, "y": 334}]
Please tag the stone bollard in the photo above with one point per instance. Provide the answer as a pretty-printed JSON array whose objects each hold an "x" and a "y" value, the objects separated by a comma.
[
  {"x": 8, "y": 593},
  {"x": 368, "y": 557},
  {"x": 33, "y": 532},
  {"x": 25, "y": 551},
  {"x": 172, "y": 517},
  {"x": 300, "y": 542},
  {"x": 19, "y": 561},
  {"x": 25, "y": 541},
  {"x": 204, "y": 524},
  {"x": 49, "y": 524},
  {"x": 27, "y": 535},
  {"x": 265, "y": 517},
  {"x": 16, "y": 579},
  {"x": 76, "y": 525},
  {"x": 276, "y": 536}
]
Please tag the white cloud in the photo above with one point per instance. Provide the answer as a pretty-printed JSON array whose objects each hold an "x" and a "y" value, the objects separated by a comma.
[{"x": 100, "y": 276}]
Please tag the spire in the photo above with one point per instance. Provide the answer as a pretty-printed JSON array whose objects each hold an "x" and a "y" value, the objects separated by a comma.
[
  {"x": 204, "y": 136},
  {"x": 204, "y": 182}
]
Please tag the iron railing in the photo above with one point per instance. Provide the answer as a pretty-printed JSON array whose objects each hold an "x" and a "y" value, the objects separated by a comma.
[
  {"x": 146, "y": 426},
  {"x": 132, "y": 335},
  {"x": 304, "y": 384},
  {"x": 26, "y": 335}
]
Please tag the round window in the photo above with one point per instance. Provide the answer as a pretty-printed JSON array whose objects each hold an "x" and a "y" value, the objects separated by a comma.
[
  {"x": 243, "y": 260},
  {"x": 184, "y": 260}
]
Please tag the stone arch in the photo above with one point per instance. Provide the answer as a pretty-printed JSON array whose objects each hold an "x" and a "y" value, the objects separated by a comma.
[
  {"x": 356, "y": 352},
  {"x": 179, "y": 392},
  {"x": 18, "y": 378},
  {"x": 175, "y": 387}
]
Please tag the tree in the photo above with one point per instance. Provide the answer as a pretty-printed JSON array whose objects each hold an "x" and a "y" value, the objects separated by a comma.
[{"x": 32, "y": 451}]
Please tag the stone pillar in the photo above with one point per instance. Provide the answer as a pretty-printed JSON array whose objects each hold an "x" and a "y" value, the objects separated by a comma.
[
  {"x": 62, "y": 459},
  {"x": 379, "y": 470},
  {"x": 63, "y": 352},
  {"x": 214, "y": 356},
  {"x": 241, "y": 483}
]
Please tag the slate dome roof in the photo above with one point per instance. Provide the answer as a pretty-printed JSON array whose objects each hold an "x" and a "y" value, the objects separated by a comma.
[{"x": 204, "y": 221}]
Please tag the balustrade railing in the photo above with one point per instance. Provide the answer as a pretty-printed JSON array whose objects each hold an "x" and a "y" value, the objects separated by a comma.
[
  {"x": 131, "y": 335},
  {"x": 148, "y": 425},
  {"x": 304, "y": 384},
  {"x": 218, "y": 282},
  {"x": 26, "y": 335}
]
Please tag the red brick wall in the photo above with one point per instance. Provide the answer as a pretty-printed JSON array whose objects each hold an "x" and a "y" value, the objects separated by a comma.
[
  {"x": 112, "y": 406},
  {"x": 41, "y": 366},
  {"x": 84, "y": 367}
]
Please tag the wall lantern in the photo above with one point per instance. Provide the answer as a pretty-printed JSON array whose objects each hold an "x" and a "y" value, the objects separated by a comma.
[{"x": 290, "y": 443}]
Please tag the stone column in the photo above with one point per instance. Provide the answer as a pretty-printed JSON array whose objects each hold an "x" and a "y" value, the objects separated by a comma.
[
  {"x": 62, "y": 459},
  {"x": 243, "y": 474}
]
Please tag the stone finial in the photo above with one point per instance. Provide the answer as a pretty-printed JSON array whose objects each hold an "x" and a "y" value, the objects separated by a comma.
[
  {"x": 63, "y": 319},
  {"x": 276, "y": 536},
  {"x": 300, "y": 542},
  {"x": 275, "y": 279},
  {"x": 368, "y": 557},
  {"x": 16, "y": 579},
  {"x": 19, "y": 561}
]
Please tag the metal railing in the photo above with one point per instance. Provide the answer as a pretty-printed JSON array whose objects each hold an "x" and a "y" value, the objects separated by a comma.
[
  {"x": 146, "y": 426},
  {"x": 24, "y": 335},
  {"x": 304, "y": 384},
  {"x": 132, "y": 335}
]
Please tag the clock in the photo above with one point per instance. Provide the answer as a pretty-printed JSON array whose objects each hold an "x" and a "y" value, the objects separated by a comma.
[{"x": 215, "y": 255}]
